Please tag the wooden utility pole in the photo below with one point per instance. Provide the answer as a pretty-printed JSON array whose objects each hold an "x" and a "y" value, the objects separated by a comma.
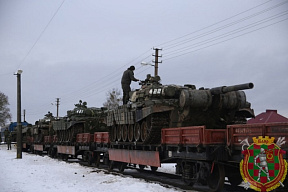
[
  {"x": 24, "y": 115},
  {"x": 156, "y": 60}
]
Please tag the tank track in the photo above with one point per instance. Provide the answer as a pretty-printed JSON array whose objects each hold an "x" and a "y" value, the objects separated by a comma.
[{"x": 157, "y": 122}]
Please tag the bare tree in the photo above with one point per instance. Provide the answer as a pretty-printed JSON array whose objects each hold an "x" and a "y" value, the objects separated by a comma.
[
  {"x": 114, "y": 99},
  {"x": 4, "y": 110}
]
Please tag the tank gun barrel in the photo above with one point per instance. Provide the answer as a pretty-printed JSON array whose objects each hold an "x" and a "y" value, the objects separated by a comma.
[{"x": 226, "y": 89}]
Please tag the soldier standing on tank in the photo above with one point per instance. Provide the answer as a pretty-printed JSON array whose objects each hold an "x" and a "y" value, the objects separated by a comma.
[
  {"x": 127, "y": 77},
  {"x": 9, "y": 141}
]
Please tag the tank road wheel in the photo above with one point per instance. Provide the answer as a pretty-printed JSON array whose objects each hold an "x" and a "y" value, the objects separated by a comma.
[
  {"x": 216, "y": 178},
  {"x": 69, "y": 135},
  {"x": 66, "y": 135},
  {"x": 113, "y": 133},
  {"x": 124, "y": 132},
  {"x": 137, "y": 132},
  {"x": 62, "y": 136},
  {"x": 130, "y": 133},
  {"x": 58, "y": 136},
  {"x": 144, "y": 131},
  {"x": 119, "y": 133}
]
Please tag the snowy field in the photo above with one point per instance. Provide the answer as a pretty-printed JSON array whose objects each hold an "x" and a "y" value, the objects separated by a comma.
[{"x": 37, "y": 173}]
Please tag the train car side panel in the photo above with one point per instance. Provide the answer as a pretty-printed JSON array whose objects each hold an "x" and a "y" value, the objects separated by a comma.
[{"x": 150, "y": 158}]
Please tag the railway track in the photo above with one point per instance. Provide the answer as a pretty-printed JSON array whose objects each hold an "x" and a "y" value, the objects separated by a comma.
[{"x": 165, "y": 179}]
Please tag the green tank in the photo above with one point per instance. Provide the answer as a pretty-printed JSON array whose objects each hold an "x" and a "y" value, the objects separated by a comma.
[
  {"x": 81, "y": 119},
  {"x": 42, "y": 128},
  {"x": 155, "y": 106}
]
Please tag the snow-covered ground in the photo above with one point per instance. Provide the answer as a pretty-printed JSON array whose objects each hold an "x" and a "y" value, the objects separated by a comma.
[{"x": 37, "y": 173}]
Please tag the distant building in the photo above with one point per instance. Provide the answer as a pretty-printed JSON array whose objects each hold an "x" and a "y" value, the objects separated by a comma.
[{"x": 270, "y": 116}]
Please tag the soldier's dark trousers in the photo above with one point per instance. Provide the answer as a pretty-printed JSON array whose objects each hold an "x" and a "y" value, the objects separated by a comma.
[
  {"x": 9, "y": 146},
  {"x": 126, "y": 89}
]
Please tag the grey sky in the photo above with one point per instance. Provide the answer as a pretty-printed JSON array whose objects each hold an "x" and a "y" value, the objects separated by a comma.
[{"x": 81, "y": 50}]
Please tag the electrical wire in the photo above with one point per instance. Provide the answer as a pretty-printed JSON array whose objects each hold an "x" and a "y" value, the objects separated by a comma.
[
  {"x": 226, "y": 40},
  {"x": 252, "y": 25},
  {"x": 213, "y": 24},
  {"x": 43, "y": 31},
  {"x": 223, "y": 27}
]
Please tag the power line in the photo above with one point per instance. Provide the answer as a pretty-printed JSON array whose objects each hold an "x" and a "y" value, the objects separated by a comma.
[
  {"x": 223, "y": 27},
  {"x": 252, "y": 25},
  {"x": 115, "y": 73},
  {"x": 213, "y": 24},
  {"x": 94, "y": 90},
  {"x": 226, "y": 40},
  {"x": 41, "y": 34}
]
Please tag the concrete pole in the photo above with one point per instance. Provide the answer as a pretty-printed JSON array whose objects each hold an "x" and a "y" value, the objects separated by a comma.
[{"x": 19, "y": 125}]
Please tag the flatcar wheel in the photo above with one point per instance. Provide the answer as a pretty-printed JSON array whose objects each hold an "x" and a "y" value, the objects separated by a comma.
[
  {"x": 124, "y": 132},
  {"x": 111, "y": 166},
  {"x": 130, "y": 133},
  {"x": 90, "y": 159},
  {"x": 153, "y": 169},
  {"x": 122, "y": 166},
  {"x": 137, "y": 132},
  {"x": 234, "y": 176},
  {"x": 235, "y": 180},
  {"x": 97, "y": 160},
  {"x": 118, "y": 130},
  {"x": 53, "y": 152},
  {"x": 142, "y": 167},
  {"x": 144, "y": 131},
  {"x": 216, "y": 178}
]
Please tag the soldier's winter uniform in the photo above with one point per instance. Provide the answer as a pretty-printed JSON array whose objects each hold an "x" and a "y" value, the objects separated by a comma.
[
  {"x": 127, "y": 77},
  {"x": 9, "y": 141}
]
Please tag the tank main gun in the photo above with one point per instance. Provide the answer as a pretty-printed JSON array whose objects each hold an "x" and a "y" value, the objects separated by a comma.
[
  {"x": 231, "y": 97},
  {"x": 226, "y": 89}
]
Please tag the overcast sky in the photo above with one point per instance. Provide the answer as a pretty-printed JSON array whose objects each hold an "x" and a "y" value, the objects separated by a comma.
[{"x": 78, "y": 49}]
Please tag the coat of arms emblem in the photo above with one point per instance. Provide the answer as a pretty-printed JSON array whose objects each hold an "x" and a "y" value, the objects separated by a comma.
[{"x": 263, "y": 167}]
